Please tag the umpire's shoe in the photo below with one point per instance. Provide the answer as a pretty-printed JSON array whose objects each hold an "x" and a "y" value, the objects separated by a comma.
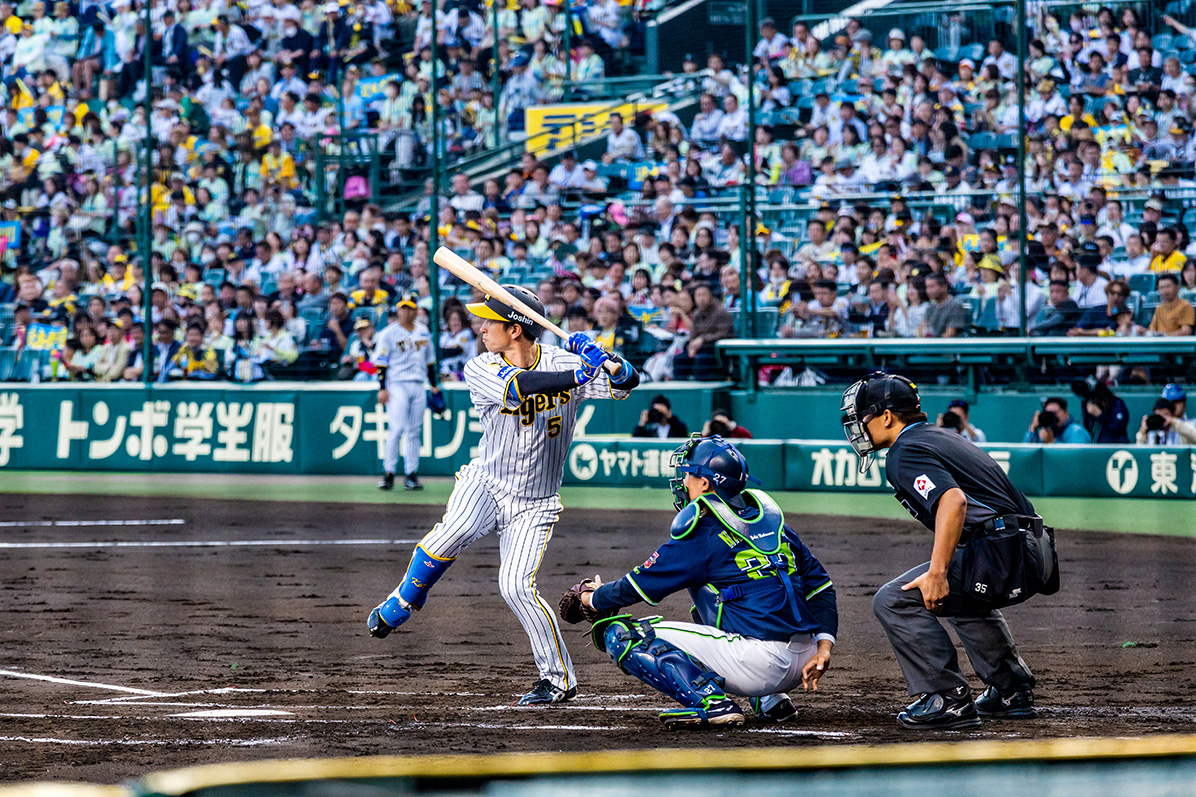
[
  {"x": 412, "y": 482},
  {"x": 544, "y": 694},
  {"x": 718, "y": 711},
  {"x": 941, "y": 711},
  {"x": 388, "y": 482},
  {"x": 1017, "y": 704}
]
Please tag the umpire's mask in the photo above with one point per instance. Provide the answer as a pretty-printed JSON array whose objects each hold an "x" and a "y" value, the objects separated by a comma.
[{"x": 868, "y": 398}]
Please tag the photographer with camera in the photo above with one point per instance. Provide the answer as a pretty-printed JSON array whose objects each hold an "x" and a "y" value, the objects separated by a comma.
[
  {"x": 1163, "y": 427},
  {"x": 956, "y": 419},
  {"x": 1053, "y": 424},
  {"x": 658, "y": 421},
  {"x": 1105, "y": 416}
]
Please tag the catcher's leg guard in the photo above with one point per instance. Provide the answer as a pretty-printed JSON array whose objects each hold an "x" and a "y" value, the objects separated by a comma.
[
  {"x": 635, "y": 649},
  {"x": 410, "y": 595}
]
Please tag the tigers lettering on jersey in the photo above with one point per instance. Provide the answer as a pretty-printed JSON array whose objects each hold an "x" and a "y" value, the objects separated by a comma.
[
  {"x": 410, "y": 345},
  {"x": 534, "y": 405}
]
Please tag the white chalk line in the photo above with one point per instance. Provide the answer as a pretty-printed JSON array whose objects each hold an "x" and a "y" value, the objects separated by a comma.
[
  {"x": 497, "y": 727},
  {"x": 21, "y": 524},
  {"x": 280, "y": 543},
  {"x": 145, "y": 742},
  {"x": 800, "y": 732},
  {"x": 89, "y": 684}
]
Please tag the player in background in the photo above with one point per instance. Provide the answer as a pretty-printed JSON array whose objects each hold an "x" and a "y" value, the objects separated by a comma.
[
  {"x": 404, "y": 358},
  {"x": 527, "y": 397},
  {"x": 764, "y": 609}
]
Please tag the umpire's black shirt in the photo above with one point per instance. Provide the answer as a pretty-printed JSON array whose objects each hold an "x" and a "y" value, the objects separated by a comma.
[{"x": 926, "y": 461}]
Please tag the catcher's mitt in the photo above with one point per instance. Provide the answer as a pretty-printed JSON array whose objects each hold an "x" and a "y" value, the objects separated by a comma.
[{"x": 573, "y": 610}]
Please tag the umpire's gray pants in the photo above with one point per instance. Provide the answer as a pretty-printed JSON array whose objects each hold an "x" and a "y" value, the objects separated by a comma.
[{"x": 925, "y": 650}]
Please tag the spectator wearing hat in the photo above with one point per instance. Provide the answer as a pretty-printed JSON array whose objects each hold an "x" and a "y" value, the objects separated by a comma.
[
  {"x": 590, "y": 181},
  {"x": 1174, "y": 316},
  {"x": 1179, "y": 399},
  {"x": 359, "y": 352}
]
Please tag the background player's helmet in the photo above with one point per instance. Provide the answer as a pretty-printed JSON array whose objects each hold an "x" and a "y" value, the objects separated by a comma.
[
  {"x": 715, "y": 459},
  {"x": 497, "y": 311},
  {"x": 869, "y": 397}
]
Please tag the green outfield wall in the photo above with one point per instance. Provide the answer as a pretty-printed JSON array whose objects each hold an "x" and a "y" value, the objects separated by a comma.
[{"x": 341, "y": 430}]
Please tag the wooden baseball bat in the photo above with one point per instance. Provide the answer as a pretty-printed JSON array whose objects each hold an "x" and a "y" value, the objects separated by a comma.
[{"x": 472, "y": 275}]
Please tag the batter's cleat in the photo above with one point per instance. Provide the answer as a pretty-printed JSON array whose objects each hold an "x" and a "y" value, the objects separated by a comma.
[
  {"x": 412, "y": 482},
  {"x": 387, "y": 616},
  {"x": 545, "y": 694},
  {"x": 1018, "y": 704},
  {"x": 941, "y": 711},
  {"x": 388, "y": 482},
  {"x": 721, "y": 711},
  {"x": 782, "y": 711}
]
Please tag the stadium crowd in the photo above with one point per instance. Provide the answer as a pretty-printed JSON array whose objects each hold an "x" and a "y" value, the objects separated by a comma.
[{"x": 634, "y": 247}]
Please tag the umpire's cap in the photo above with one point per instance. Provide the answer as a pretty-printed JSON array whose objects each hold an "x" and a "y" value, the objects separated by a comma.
[
  {"x": 715, "y": 460},
  {"x": 495, "y": 310},
  {"x": 870, "y": 397}
]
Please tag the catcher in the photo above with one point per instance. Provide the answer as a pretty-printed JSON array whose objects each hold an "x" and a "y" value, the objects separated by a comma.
[{"x": 764, "y": 609}]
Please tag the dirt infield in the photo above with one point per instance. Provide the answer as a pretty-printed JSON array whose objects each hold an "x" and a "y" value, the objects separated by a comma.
[{"x": 125, "y": 639}]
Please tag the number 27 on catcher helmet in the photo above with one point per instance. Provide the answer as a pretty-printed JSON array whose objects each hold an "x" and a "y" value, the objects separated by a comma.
[{"x": 715, "y": 460}]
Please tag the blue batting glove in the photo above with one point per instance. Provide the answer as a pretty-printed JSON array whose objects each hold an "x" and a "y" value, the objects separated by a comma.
[
  {"x": 585, "y": 373},
  {"x": 576, "y": 342},
  {"x": 593, "y": 355}
]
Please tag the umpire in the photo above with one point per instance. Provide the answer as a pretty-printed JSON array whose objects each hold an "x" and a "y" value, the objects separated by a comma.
[{"x": 990, "y": 550}]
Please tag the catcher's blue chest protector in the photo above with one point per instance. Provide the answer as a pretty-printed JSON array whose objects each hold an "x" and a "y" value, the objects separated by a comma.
[{"x": 763, "y": 531}]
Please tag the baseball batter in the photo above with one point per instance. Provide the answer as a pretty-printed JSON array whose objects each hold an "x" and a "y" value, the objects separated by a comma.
[
  {"x": 764, "y": 611},
  {"x": 527, "y": 396},
  {"x": 404, "y": 358}
]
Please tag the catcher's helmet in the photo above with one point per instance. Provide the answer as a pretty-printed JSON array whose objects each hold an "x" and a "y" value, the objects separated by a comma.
[
  {"x": 495, "y": 310},
  {"x": 869, "y": 397},
  {"x": 716, "y": 460}
]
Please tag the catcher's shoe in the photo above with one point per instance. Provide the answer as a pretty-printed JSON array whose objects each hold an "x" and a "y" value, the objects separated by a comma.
[
  {"x": 412, "y": 482},
  {"x": 1018, "y": 704},
  {"x": 718, "y": 711},
  {"x": 545, "y": 694},
  {"x": 782, "y": 711},
  {"x": 941, "y": 711},
  {"x": 388, "y": 482},
  {"x": 387, "y": 616}
]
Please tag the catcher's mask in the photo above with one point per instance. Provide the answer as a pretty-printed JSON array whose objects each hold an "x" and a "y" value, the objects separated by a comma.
[
  {"x": 868, "y": 398},
  {"x": 716, "y": 460}
]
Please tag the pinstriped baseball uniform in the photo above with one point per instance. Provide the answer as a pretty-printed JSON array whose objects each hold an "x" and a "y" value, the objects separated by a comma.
[
  {"x": 406, "y": 353},
  {"x": 511, "y": 487}
]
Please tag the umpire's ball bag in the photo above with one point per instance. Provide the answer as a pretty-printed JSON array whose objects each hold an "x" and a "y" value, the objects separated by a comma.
[{"x": 1008, "y": 566}]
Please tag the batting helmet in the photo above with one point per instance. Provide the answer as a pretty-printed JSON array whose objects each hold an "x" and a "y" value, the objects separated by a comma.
[
  {"x": 868, "y": 398},
  {"x": 716, "y": 460},
  {"x": 495, "y": 310}
]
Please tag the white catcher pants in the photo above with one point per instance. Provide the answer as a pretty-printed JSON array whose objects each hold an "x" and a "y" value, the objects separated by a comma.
[
  {"x": 751, "y": 667},
  {"x": 404, "y": 422},
  {"x": 476, "y": 508}
]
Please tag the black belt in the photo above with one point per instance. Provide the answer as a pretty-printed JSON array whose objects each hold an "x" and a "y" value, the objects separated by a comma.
[{"x": 1000, "y": 523}]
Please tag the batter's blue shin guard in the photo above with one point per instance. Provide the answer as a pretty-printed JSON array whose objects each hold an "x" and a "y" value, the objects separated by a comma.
[
  {"x": 634, "y": 647},
  {"x": 412, "y": 592},
  {"x": 424, "y": 571}
]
